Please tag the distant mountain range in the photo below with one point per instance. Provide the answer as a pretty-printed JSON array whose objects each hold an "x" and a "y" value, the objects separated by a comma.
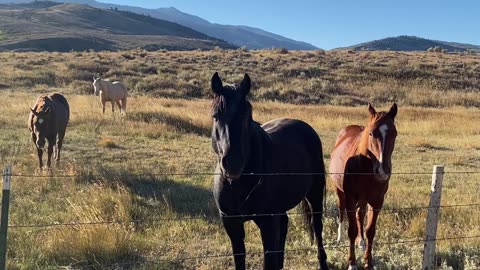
[
  {"x": 411, "y": 43},
  {"x": 252, "y": 38},
  {"x": 50, "y": 26}
]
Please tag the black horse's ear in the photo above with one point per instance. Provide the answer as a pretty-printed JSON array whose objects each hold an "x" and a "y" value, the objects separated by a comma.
[
  {"x": 393, "y": 111},
  {"x": 371, "y": 109},
  {"x": 217, "y": 85},
  {"x": 246, "y": 84},
  {"x": 34, "y": 112}
]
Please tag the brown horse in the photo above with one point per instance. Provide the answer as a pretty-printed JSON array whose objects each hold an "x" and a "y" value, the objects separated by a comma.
[
  {"x": 362, "y": 158},
  {"x": 48, "y": 120}
]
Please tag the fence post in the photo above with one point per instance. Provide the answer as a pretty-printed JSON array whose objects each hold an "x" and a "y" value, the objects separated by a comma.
[
  {"x": 432, "y": 219},
  {"x": 7, "y": 173}
]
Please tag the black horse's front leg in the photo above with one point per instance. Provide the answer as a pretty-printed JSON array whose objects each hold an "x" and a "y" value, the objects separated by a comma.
[
  {"x": 236, "y": 232},
  {"x": 271, "y": 240}
]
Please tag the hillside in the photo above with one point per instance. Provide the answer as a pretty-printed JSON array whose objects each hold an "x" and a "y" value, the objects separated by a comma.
[
  {"x": 252, "y": 38},
  {"x": 410, "y": 43},
  {"x": 135, "y": 193},
  {"x": 48, "y": 26}
]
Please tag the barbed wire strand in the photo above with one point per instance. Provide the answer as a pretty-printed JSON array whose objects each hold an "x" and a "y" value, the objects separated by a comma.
[
  {"x": 219, "y": 174},
  {"x": 74, "y": 223},
  {"x": 214, "y": 256}
]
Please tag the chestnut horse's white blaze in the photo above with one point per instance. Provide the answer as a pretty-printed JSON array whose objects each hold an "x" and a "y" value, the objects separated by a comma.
[{"x": 383, "y": 132}]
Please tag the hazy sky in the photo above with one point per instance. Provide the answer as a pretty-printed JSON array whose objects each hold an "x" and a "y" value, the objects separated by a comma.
[{"x": 335, "y": 23}]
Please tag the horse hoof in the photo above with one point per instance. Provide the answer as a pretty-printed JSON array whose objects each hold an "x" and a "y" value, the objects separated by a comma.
[
  {"x": 352, "y": 267},
  {"x": 368, "y": 266},
  {"x": 361, "y": 244}
]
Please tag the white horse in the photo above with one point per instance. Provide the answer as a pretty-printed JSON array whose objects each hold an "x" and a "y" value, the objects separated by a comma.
[{"x": 114, "y": 92}]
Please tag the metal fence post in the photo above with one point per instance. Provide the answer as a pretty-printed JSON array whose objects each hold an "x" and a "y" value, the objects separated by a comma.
[
  {"x": 432, "y": 218},
  {"x": 7, "y": 173}
]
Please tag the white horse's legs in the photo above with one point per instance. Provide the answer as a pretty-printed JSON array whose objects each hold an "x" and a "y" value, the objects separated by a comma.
[{"x": 124, "y": 105}]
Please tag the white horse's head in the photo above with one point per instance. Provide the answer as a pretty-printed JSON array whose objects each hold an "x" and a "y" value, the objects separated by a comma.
[{"x": 97, "y": 86}]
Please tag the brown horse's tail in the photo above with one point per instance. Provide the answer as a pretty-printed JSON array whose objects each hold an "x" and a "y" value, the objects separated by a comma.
[{"x": 308, "y": 218}]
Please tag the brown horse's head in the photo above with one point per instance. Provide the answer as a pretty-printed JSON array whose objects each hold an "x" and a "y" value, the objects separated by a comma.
[
  {"x": 381, "y": 133},
  {"x": 97, "y": 87},
  {"x": 232, "y": 114},
  {"x": 40, "y": 125}
]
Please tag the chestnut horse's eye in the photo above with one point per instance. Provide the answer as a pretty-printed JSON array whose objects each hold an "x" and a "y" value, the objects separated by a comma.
[{"x": 371, "y": 134}]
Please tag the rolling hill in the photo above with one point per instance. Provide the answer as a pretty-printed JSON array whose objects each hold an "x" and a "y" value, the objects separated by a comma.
[
  {"x": 252, "y": 38},
  {"x": 410, "y": 43},
  {"x": 48, "y": 26}
]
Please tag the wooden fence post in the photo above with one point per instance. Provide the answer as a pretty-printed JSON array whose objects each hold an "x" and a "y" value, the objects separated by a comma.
[
  {"x": 7, "y": 173},
  {"x": 432, "y": 219}
]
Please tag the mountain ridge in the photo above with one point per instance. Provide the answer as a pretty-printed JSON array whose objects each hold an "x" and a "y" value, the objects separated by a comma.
[
  {"x": 410, "y": 43},
  {"x": 237, "y": 35},
  {"x": 63, "y": 27}
]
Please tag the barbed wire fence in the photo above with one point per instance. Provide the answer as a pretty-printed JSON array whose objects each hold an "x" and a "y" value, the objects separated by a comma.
[{"x": 429, "y": 241}]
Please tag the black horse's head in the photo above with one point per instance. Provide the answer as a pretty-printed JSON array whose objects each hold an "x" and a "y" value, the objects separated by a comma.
[{"x": 232, "y": 115}]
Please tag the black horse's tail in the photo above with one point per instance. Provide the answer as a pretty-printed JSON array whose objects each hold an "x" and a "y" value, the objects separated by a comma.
[
  {"x": 308, "y": 218},
  {"x": 319, "y": 187}
]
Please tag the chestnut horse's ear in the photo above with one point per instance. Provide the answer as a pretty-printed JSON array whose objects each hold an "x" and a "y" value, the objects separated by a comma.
[
  {"x": 371, "y": 109},
  {"x": 246, "y": 84},
  {"x": 217, "y": 85},
  {"x": 393, "y": 111},
  {"x": 34, "y": 112}
]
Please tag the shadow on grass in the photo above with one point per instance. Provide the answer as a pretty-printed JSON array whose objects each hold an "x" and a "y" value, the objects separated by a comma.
[
  {"x": 155, "y": 195},
  {"x": 179, "y": 124}
]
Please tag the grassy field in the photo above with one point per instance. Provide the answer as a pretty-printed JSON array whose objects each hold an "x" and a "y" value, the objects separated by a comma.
[{"x": 160, "y": 219}]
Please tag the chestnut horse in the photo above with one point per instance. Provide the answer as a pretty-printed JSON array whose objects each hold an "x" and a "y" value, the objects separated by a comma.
[
  {"x": 361, "y": 168},
  {"x": 48, "y": 120},
  {"x": 256, "y": 174}
]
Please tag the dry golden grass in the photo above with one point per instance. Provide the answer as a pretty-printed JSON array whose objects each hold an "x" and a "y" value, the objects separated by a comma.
[{"x": 117, "y": 162}]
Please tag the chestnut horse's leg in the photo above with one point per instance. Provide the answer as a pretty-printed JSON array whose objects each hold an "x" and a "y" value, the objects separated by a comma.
[
  {"x": 373, "y": 212},
  {"x": 40, "y": 155},
  {"x": 352, "y": 230},
  {"x": 341, "y": 213},
  {"x": 283, "y": 237},
  {"x": 51, "y": 143},
  {"x": 362, "y": 206},
  {"x": 236, "y": 233},
  {"x": 270, "y": 232},
  {"x": 39, "y": 150},
  {"x": 61, "y": 135}
]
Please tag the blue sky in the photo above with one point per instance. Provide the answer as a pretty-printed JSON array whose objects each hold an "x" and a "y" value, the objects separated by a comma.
[{"x": 336, "y": 23}]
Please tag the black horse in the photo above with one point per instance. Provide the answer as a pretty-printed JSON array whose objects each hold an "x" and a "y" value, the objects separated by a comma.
[{"x": 262, "y": 170}]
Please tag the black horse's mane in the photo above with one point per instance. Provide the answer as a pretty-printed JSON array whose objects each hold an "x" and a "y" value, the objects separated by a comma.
[{"x": 219, "y": 104}]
